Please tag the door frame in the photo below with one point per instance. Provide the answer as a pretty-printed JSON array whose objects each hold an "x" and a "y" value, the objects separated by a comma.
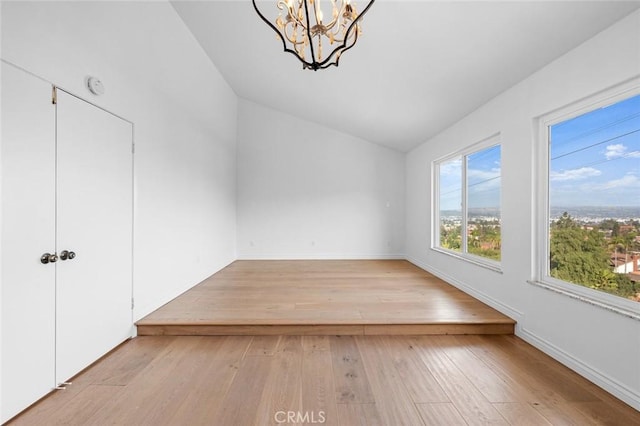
[{"x": 55, "y": 88}]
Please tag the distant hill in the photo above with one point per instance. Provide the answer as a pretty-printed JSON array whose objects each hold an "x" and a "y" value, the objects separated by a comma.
[
  {"x": 578, "y": 212},
  {"x": 478, "y": 212},
  {"x": 598, "y": 212}
]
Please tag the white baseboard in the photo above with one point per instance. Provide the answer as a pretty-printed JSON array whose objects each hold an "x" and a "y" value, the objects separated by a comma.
[
  {"x": 585, "y": 370},
  {"x": 484, "y": 298},
  {"x": 142, "y": 309}
]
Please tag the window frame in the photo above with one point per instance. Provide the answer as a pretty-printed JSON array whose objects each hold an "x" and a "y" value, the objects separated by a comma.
[
  {"x": 463, "y": 154},
  {"x": 542, "y": 225}
]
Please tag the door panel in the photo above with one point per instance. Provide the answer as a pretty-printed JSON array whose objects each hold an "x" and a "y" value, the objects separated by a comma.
[
  {"x": 94, "y": 220},
  {"x": 28, "y": 230}
]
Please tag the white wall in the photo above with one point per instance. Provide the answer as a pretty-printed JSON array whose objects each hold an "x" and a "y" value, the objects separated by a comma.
[
  {"x": 157, "y": 76},
  {"x": 602, "y": 345},
  {"x": 0, "y": 199},
  {"x": 307, "y": 191}
]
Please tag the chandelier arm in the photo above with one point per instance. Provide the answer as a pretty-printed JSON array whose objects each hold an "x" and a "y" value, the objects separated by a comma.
[
  {"x": 355, "y": 21},
  {"x": 309, "y": 37},
  {"x": 337, "y": 51},
  {"x": 343, "y": 47},
  {"x": 284, "y": 44},
  {"x": 293, "y": 17},
  {"x": 334, "y": 20},
  {"x": 337, "y": 25},
  {"x": 293, "y": 41},
  {"x": 336, "y": 36}
]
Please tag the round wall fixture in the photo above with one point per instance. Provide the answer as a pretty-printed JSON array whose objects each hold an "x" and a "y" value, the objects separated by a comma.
[{"x": 95, "y": 86}]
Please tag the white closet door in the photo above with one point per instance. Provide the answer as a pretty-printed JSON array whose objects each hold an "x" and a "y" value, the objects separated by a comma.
[
  {"x": 94, "y": 220},
  {"x": 27, "y": 153}
]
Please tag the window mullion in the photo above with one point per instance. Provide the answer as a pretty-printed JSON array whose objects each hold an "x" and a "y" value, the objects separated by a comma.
[
  {"x": 435, "y": 201},
  {"x": 463, "y": 205},
  {"x": 546, "y": 206}
]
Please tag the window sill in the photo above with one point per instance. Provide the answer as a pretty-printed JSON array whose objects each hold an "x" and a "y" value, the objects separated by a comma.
[
  {"x": 592, "y": 297},
  {"x": 474, "y": 260}
]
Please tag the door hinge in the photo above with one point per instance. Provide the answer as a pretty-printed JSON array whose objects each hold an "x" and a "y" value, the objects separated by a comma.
[
  {"x": 132, "y": 304},
  {"x": 133, "y": 148},
  {"x": 54, "y": 95}
]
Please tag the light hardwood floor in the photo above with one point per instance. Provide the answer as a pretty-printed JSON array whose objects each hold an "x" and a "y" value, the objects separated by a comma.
[
  {"x": 347, "y": 380},
  {"x": 347, "y": 297}
]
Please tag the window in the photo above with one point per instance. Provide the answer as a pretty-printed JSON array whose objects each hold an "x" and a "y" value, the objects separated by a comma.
[
  {"x": 467, "y": 196},
  {"x": 591, "y": 230}
]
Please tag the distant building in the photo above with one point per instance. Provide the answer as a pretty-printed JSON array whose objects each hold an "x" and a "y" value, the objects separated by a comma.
[
  {"x": 625, "y": 229},
  {"x": 625, "y": 263}
]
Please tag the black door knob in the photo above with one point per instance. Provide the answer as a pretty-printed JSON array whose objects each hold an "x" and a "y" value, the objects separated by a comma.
[
  {"x": 65, "y": 254},
  {"x": 48, "y": 258}
]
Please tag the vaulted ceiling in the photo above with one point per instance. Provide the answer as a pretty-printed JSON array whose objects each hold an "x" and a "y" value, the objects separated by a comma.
[{"x": 419, "y": 67}]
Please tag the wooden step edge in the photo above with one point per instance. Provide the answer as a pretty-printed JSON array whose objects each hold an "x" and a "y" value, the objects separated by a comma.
[
  {"x": 315, "y": 322},
  {"x": 327, "y": 329}
]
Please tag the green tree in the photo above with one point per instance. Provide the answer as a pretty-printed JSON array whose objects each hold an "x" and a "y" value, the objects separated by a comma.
[
  {"x": 451, "y": 238},
  {"x": 610, "y": 225},
  {"x": 581, "y": 256},
  {"x": 485, "y": 240}
]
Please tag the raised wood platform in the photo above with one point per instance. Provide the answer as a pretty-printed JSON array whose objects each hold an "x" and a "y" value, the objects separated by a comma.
[{"x": 319, "y": 297}]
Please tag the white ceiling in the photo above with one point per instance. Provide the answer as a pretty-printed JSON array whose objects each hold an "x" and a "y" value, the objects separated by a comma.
[{"x": 419, "y": 67}]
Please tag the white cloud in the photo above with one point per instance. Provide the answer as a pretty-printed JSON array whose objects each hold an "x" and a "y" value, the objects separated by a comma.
[
  {"x": 483, "y": 180},
  {"x": 630, "y": 180},
  {"x": 452, "y": 167},
  {"x": 575, "y": 174},
  {"x": 475, "y": 174},
  {"x": 615, "y": 151},
  {"x": 619, "y": 150}
]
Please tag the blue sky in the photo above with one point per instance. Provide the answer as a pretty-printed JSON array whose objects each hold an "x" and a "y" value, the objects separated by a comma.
[
  {"x": 483, "y": 175},
  {"x": 595, "y": 162},
  {"x": 595, "y": 157}
]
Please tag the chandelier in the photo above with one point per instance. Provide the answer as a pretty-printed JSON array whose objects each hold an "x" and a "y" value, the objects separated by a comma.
[{"x": 316, "y": 41}]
